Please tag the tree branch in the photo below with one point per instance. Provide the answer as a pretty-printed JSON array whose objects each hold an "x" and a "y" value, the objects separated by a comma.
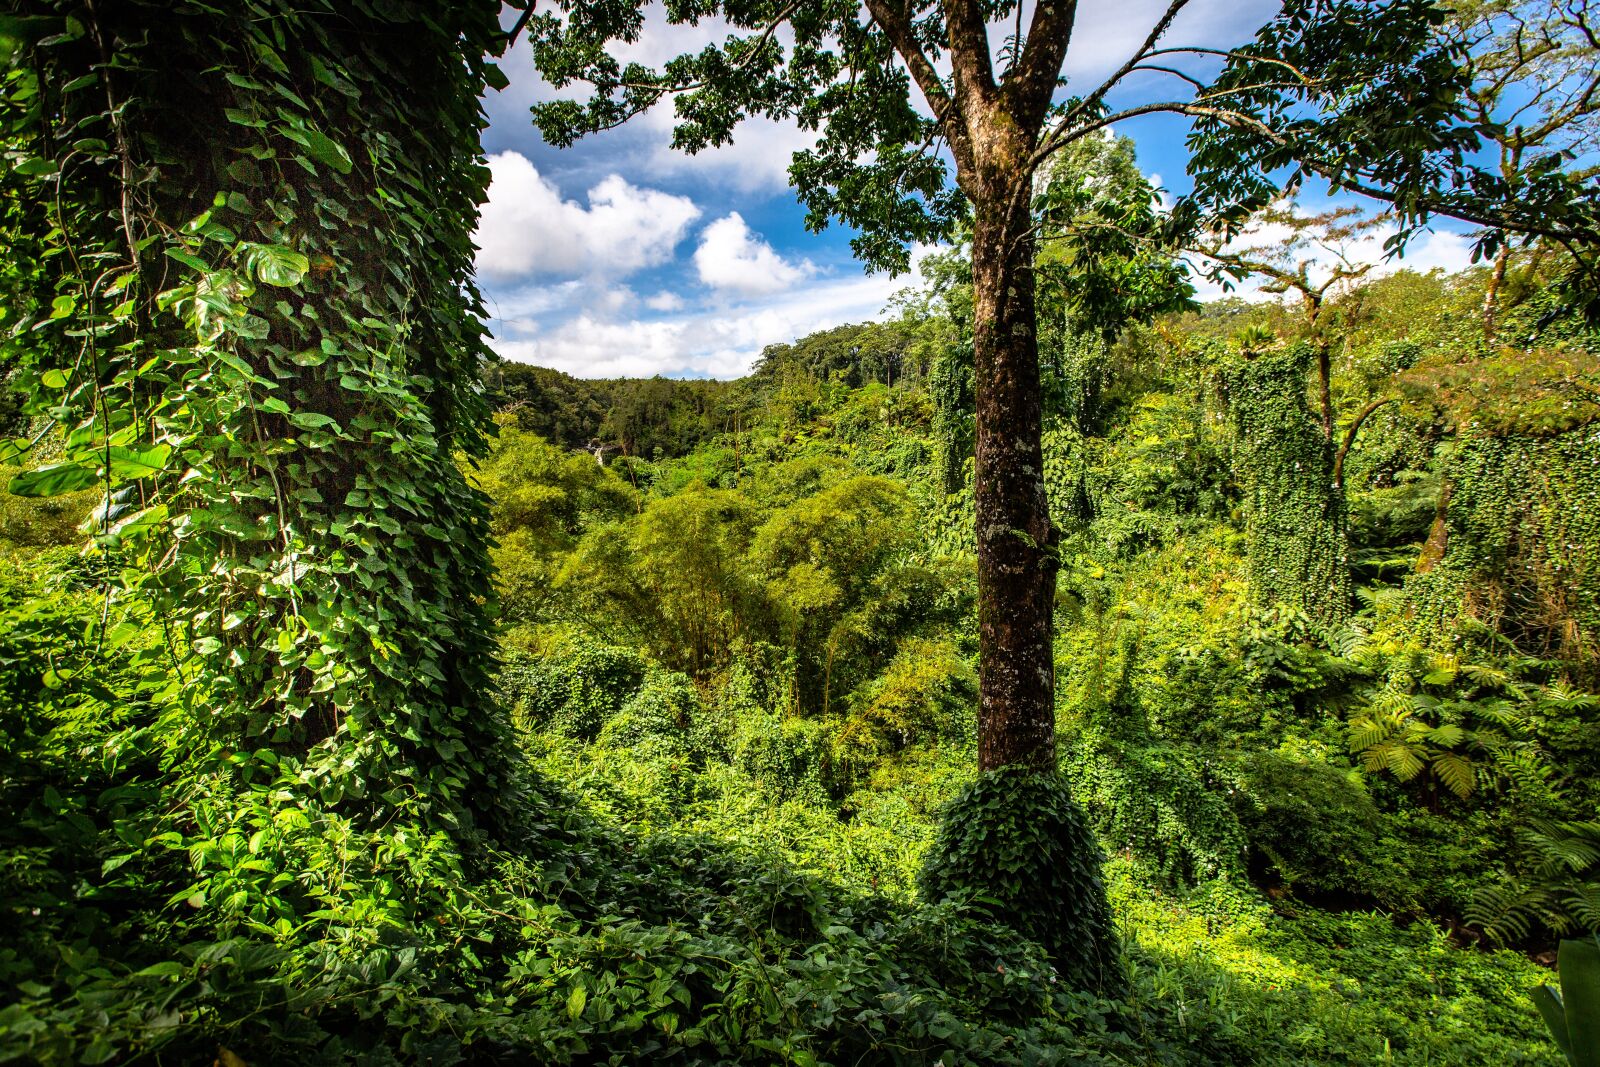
[
  {"x": 1032, "y": 82},
  {"x": 1094, "y": 99},
  {"x": 896, "y": 25},
  {"x": 1350, "y": 438},
  {"x": 969, "y": 51}
]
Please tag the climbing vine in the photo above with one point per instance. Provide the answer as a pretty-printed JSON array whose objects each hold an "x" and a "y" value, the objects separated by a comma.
[
  {"x": 1516, "y": 546},
  {"x": 1296, "y": 514},
  {"x": 240, "y": 287}
]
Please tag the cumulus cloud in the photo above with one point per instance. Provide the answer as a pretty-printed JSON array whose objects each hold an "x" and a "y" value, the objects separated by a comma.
[
  {"x": 691, "y": 342},
  {"x": 731, "y": 257},
  {"x": 528, "y": 228},
  {"x": 602, "y": 338}
]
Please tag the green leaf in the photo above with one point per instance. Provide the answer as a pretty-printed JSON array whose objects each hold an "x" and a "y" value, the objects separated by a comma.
[
  {"x": 325, "y": 149},
  {"x": 54, "y": 480},
  {"x": 576, "y": 1000},
  {"x": 494, "y": 77},
  {"x": 127, "y": 464},
  {"x": 187, "y": 259},
  {"x": 280, "y": 266},
  {"x": 35, "y": 167},
  {"x": 1548, "y": 1001},
  {"x": 312, "y": 420},
  {"x": 1578, "y": 963}
]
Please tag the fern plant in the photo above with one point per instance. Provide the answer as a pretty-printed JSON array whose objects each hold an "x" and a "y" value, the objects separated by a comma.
[
  {"x": 1560, "y": 889},
  {"x": 1460, "y": 742}
]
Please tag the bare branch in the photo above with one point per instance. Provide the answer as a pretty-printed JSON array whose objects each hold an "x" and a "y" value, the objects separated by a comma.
[{"x": 1094, "y": 99}]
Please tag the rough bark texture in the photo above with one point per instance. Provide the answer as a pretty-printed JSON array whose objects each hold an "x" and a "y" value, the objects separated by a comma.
[
  {"x": 1325, "y": 386},
  {"x": 1433, "y": 548},
  {"x": 1016, "y": 542},
  {"x": 992, "y": 128}
]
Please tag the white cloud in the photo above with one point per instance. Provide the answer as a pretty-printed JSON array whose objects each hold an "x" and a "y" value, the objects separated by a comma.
[
  {"x": 664, "y": 301},
  {"x": 1434, "y": 249},
  {"x": 733, "y": 258},
  {"x": 755, "y": 161},
  {"x": 723, "y": 344},
  {"x": 1106, "y": 35},
  {"x": 527, "y": 228}
]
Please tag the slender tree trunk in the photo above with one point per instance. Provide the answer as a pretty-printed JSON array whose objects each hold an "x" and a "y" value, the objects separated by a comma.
[
  {"x": 1433, "y": 549},
  {"x": 1325, "y": 386},
  {"x": 1016, "y": 541},
  {"x": 1491, "y": 296}
]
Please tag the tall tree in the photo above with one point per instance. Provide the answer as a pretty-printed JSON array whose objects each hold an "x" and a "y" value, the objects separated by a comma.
[
  {"x": 242, "y": 282},
  {"x": 1536, "y": 95},
  {"x": 882, "y": 164}
]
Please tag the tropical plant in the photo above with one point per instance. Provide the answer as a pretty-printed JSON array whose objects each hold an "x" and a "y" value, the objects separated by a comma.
[{"x": 1572, "y": 1012}]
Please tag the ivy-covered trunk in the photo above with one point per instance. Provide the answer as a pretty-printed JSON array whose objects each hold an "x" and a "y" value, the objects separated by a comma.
[
  {"x": 1016, "y": 541},
  {"x": 263, "y": 238}
]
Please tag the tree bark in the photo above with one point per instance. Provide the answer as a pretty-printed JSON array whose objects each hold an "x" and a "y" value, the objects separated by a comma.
[
  {"x": 1016, "y": 542},
  {"x": 1491, "y": 296},
  {"x": 1433, "y": 549},
  {"x": 1325, "y": 385}
]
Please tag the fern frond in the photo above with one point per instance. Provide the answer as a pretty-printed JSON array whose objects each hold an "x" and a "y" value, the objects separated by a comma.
[
  {"x": 1485, "y": 675},
  {"x": 1563, "y": 697},
  {"x": 1402, "y": 762},
  {"x": 1365, "y": 733},
  {"x": 1456, "y": 773}
]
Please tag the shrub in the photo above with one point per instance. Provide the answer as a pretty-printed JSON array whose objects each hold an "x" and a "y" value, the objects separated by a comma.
[{"x": 570, "y": 690}]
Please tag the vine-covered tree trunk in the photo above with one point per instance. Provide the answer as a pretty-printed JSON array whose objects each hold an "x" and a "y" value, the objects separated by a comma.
[
  {"x": 1298, "y": 545},
  {"x": 263, "y": 222},
  {"x": 1016, "y": 541}
]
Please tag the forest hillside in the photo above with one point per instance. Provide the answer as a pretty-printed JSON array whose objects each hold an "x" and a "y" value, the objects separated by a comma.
[
  {"x": 1340, "y": 823},
  {"x": 1060, "y": 669}
]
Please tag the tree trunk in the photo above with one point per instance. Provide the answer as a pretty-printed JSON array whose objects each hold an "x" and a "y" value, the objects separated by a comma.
[
  {"x": 1433, "y": 549},
  {"x": 1491, "y": 296},
  {"x": 1016, "y": 541},
  {"x": 1325, "y": 385}
]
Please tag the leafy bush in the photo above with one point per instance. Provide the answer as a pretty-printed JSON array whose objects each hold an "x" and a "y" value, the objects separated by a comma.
[
  {"x": 571, "y": 688},
  {"x": 1317, "y": 827}
]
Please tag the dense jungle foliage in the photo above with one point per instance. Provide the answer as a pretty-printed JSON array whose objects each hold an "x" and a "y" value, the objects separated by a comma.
[
  {"x": 743, "y": 669},
  {"x": 366, "y": 700}
]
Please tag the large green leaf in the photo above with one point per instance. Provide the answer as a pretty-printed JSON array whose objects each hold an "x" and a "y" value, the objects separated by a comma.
[
  {"x": 54, "y": 480},
  {"x": 1579, "y": 966},
  {"x": 13, "y": 449},
  {"x": 325, "y": 149},
  {"x": 1548, "y": 1001},
  {"x": 127, "y": 463},
  {"x": 280, "y": 266}
]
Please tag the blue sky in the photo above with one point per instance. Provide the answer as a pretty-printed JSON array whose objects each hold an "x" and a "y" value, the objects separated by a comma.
[{"x": 621, "y": 257}]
